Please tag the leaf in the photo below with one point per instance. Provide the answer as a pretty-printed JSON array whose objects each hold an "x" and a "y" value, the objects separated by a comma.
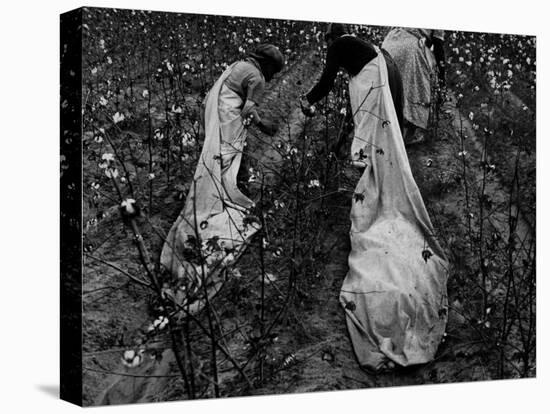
[
  {"x": 350, "y": 306},
  {"x": 358, "y": 197},
  {"x": 426, "y": 254},
  {"x": 362, "y": 154},
  {"x": 192, "y": 240},
  {"x": 212, "y": 243}
]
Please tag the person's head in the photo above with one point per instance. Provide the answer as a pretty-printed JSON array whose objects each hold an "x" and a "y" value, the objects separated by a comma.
[
  {"x": 270, "y": 58},
  {"x": 334, "y": 31}
]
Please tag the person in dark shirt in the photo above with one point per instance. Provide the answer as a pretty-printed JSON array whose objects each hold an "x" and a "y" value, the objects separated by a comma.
[
  {"x": 351, "y": 54},
  {"x": 389, "y": 221}
]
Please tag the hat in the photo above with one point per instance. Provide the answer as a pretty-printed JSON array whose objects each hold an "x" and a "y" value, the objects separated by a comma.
[{"x": 271, "y": 53}]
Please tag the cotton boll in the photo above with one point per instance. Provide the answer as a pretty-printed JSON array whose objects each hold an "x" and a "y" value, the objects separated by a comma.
[
  {"x": 129, "y": 355},
  {"x": 118, "y": 117},
  {"x": 111, "y": 172},
  {"x": 108, "y": 157},
  {"x": 163, "y": 322},
  {"x": 131, "y": 358},
  {"x": 129, "y": 205}
]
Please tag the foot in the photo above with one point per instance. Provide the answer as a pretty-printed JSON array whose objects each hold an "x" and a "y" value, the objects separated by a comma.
[
  {"x": 387, "y": 366},
  {"x": 418, "y": 137}
]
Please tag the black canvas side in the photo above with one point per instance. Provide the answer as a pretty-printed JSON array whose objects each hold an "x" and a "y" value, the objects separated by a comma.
[{"x": 71, "y": 206}]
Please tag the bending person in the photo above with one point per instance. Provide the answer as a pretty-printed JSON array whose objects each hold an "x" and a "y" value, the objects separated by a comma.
[
  {"x": 212, "y": 230},
  {"x": 421, "y": 70},
  {"x": 395, "y": 291},
  {"x": 351, "y": 54}
]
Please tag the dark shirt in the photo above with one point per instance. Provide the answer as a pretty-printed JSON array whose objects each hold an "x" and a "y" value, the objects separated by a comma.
[{"x": 346, "y": 52}]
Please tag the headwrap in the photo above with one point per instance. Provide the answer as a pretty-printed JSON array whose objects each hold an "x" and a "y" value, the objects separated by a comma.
[
  {"x": 336, "y": 30},
  {"x": 271, "y": 53}
]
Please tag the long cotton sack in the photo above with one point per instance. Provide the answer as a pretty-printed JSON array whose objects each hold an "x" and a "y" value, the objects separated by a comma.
[
  {"x": 394, "y": 295},
  {"x": 213, "y": 218}
]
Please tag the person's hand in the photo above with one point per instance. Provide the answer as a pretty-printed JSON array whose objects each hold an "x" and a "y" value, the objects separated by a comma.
[
  {"x": 307, "y": 109},
  {"x": 268, "y": 127},
  {"x": 249, "y": 114},
  {"x": 441, "y": 95},
  {"x": 247, "y": 121}
]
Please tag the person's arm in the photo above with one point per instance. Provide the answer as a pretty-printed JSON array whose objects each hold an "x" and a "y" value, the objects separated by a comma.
[
  {"x": 439, "y": 53},
  {"x": 255, "y": 86},
  {"x": 250, "y": 112},
  {"x": 326, "y": 82}
]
